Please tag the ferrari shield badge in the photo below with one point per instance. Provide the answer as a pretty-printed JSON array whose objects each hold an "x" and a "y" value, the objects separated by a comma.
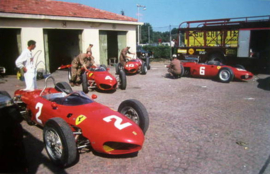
[{"x": 80, "y": 119}]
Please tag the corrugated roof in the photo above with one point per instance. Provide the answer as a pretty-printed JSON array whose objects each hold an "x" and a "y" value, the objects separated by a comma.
[{"x": 58, "y": 8}]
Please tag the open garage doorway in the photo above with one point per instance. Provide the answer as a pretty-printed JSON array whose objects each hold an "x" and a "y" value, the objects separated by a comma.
[
  {"x": 61, "y": 46},
  {"x": 9, "y": 49},
  {"x": 111, "y": 44}
]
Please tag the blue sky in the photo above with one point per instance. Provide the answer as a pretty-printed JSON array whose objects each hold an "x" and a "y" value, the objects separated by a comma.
[{"x": 164, "y": 13}]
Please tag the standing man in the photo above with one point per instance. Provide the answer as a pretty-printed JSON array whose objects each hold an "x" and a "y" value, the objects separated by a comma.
[
  {"x": 26, "y": 64},
  {"x": 123, "y": 55},
  {"x": 89, "y": 48},
  {"x": 83, "y": 60},
  {"x": 172, "y": 45},
  {"x": 175, "y": 67}
]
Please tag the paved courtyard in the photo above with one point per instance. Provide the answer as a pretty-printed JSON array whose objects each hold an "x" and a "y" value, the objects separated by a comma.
[{"x": 197, "y": 126}]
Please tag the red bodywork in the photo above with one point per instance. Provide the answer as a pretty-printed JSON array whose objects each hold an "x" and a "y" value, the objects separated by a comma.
[
  {"x": 101, "y": 79},
  {"x": 99, "y": 124},
  {"x": 133, "y": 66},
  {"x": 210, "y": 71}
]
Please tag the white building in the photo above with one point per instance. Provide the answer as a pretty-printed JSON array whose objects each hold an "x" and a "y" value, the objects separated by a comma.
[{"x": 62, "y": 30}]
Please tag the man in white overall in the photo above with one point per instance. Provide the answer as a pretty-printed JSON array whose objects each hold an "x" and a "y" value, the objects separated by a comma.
[{"x": 26, "y": 62}]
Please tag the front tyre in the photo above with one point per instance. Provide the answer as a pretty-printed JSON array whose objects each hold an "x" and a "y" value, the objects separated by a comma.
[
  {"x": 85, "y": 83},
  {"x": 143, "y": 68},
  {"x": 123, "y": 80},
  {"x": 147, "y": 61},
  {"x": 135, "y": 110},
  {"x": 60, "y": 143},
  {"x": 239, "y": 66},
  {"x": 225, "y": 75}
]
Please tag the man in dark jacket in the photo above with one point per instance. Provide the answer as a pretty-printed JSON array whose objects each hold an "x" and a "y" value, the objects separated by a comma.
[
  {"x": 123, "y": 55},
  {"x": 83, "y": 60}
]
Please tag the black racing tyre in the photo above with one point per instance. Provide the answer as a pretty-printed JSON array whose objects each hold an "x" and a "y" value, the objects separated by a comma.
[
  {"x": 225, "y": 75},
  {"x": 136, "y": 111},
  {"x": 69, "y": 74},
  {"x": 147, "y": 61},
  {"x": 143, "y": 68},
  {"x": 85, "y": 83},
  {"x": 117, "y": 68},
  {"x": 63, "y": 87},
  {"x": 122, "y": 80},
  {"x": 103, "y": 66},
  {"x": 216, "y": 57},
  {"x": 182, "y": 70},
  {"x": 59, "y": 142},
  {"x": 186, "y": 72},
  {"x": 5, "y": 93},
  {"x": 239, "y": 66}
]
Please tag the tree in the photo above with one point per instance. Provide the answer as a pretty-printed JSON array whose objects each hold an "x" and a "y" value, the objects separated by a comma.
[
  {"x": 146, "y": 33},
  {"x": 146, "y": 30}
]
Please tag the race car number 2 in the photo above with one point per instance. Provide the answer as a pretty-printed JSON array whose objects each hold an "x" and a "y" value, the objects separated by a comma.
[
  {"x": 118, "y": 122},
  {"x": 39, "y": 107}
]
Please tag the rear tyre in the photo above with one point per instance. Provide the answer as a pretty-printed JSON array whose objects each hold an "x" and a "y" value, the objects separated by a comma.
[
  {"x": 85, "y": 83},
  {"x": 225, "y": 75},
  {"x": 216, "y": 57},
  {"x": 63, "y": 87},
  {"x": 182, "y": 70},
  {"x": 143, "y": 68},
  {"x": 60, "y": 143},
  {"x": 69, "y": 74},
  {"x": 123, "y": 80},
  {"x": 103, "y": 67},
  {"x": 117, "y": 68},
  {"x": 135, "y": 110}
]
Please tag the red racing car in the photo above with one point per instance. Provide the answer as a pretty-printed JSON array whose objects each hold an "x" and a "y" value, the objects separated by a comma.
[
  {"x": 72, "y": 121},
  {"x": 133, "y": 66},
  {"x": 215, "y": 69},
  {"x": 100, "y": 78}
]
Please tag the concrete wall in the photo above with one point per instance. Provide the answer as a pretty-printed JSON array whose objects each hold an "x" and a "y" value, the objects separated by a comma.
[{"x": 33, "y": 30}]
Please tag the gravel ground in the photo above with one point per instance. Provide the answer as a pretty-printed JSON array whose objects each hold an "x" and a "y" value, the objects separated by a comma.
[{"x": 196, "y": 126}]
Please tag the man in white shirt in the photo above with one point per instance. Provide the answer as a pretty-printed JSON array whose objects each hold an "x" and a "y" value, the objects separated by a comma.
[
  {"x": 26, "y": 63},
  {"x": 172, "y": 45}
]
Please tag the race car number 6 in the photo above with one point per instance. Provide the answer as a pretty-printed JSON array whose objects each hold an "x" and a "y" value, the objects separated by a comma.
[
  {"x": 39, "y": 107},
  {"x": 202, "y": 70},
  {"x": 118, "y": 122}
]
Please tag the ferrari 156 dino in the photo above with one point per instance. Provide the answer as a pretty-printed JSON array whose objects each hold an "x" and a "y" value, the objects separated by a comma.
[
  {"x": 100, "y": 78},
  {"x": 132, "y": 66},
  {"x": 72, "y": 121},
  {"x": 215, "y": 69}
]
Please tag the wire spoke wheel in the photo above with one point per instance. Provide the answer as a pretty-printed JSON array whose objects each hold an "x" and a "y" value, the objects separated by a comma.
[
  {"x": 134, "y": 110},
  {"x": 131, "y": 114},
  {"x": 60, "y": 143},
  {"x": 53, "y": 144}
]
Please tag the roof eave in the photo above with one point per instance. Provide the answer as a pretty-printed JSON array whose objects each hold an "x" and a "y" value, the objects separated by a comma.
[{"x": 65, "y": 18}]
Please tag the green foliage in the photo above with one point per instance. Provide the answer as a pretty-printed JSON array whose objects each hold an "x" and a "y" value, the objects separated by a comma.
[
  {"x": 146, "y": 30},
  {"x": 147, "y": 34},
  {"x": 159, "y": 51}
]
